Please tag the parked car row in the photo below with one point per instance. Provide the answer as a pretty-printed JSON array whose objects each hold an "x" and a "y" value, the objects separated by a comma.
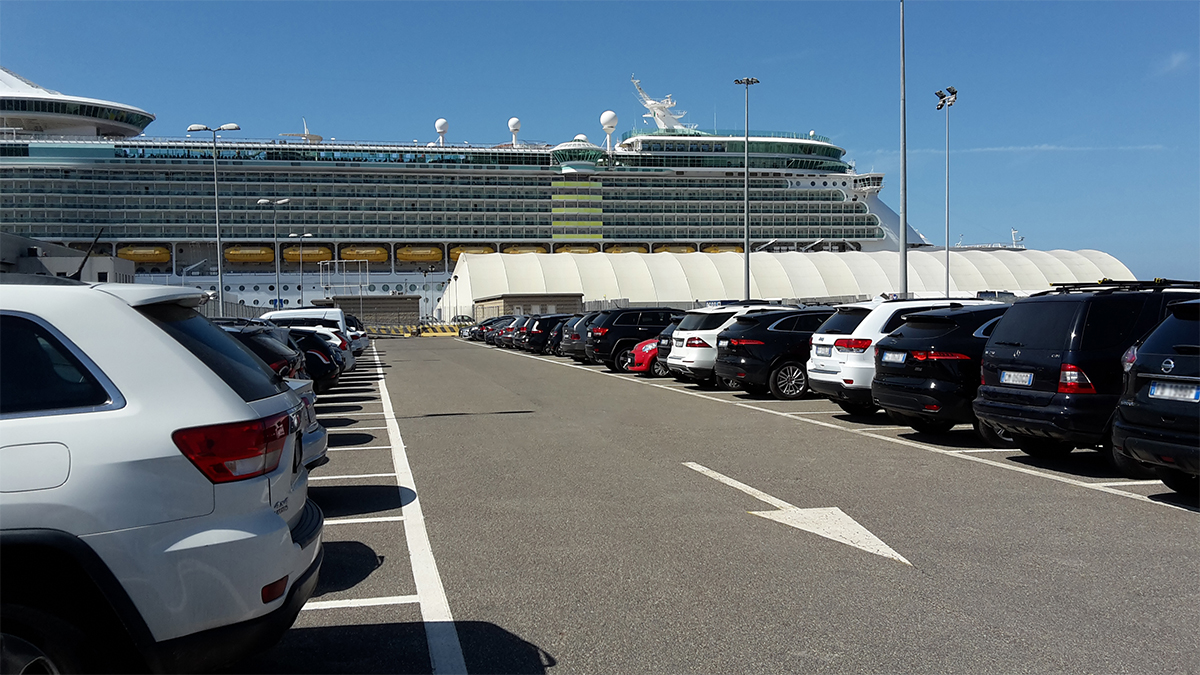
[
  {"x": 1112, "y": 366},
  {"x": 155, "y": 500}
]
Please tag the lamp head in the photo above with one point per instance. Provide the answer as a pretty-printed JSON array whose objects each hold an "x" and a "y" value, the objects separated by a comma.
[
  {"x": 264, "y": 201},
  {"x": 940, "y": 94},
  {"x": 941, "y": 104},
  {"x": 281, "y": 202},
  {"x": 198, "y": 127},
  {"x": 229, "y": 127},
  {"x": 952, "y": 90}
]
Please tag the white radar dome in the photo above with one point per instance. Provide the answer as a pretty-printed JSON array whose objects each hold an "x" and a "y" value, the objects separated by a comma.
[
  {"x": 514, "y": 124},
  {"x": 608, "y": 120},
  {"x": 581, "y": 137},
  {"x": 441, "y": 125}
]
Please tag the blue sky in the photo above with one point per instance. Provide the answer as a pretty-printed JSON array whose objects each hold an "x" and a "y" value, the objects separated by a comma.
[{"x": 1078, "y": 123}]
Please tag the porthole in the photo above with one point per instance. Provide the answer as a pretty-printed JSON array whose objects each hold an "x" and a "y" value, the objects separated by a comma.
[
  {"x": 241, "y": 302},
  {"x": 240, "y": 288},
  {"x": 371, "y": 287},
  {"x": 256, "y": 302},
  {"x": 256, "y": 288},
  {"x": 285, "y": 287},
  {"x": 271, "y": 288},
  {"x": 412, "y": 287},
  {"x": 212, "y": 288},
  {"x": 425, "y": 287},
  {"x": 825, "y": 183},
  {"x": 843, "y": 183},
  {"x": 228, "y": 288},
  {"x": 385, "y": 287},
  {"x": 814, "y": 183}
]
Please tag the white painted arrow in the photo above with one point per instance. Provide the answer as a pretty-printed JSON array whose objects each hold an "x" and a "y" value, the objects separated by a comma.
[{"x": 831, "y": 523}]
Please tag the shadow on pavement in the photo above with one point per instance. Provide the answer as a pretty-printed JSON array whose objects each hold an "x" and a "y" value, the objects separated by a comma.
[
  {"x": 353, "y": 398},
  {"x": 346, "y": 565},
  {"x": 342, "y": 439},
  {"x": 339, "y": 501},
  {"x": 1176, "y": 499},
  {"x": 332, "y": 409},
  {"x": 1083, "y": 463},
  {"x": 351, "y": 388},
  {"x": 468, "y": 414},
  {"x": 394, "y": 648},
  {"x": 335, "y": 422}
]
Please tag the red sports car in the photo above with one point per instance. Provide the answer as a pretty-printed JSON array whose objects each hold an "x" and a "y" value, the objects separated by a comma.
[{"x": 645, "y": 359}]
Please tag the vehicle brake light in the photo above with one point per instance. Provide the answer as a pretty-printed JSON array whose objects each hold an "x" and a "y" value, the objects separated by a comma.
[
  {"x": 574, "y": 336},
  {"x": 1072, "y": 380},
  {"x": 939, "y": 356},
  {"x": 237, "y": 451},
  {"x": 856, "y": 345},
  {"x": 536, "y": 332},
  {"x": 344, "y": 345},
  {"x": 697, "y": 342},
  {"x": 1128, "y": 358},
  {"x": 744, "y": 343},
  {"x": 599, "y": 332},
  {"x": 523, "y": 329},
  {"x": 319, "y": 355},
  {"x": 279, "y": 367}
]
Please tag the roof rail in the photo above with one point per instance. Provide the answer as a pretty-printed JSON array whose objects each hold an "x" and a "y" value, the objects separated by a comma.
[{"x": 1110, "y": 286}]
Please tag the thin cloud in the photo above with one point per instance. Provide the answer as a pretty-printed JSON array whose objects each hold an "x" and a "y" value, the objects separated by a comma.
[{"x": 1176, "y": 61}]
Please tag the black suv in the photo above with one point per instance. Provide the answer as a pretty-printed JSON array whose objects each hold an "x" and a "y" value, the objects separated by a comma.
[
  {"x": 768, "y": 350},
  {"x": 927, "y": 370},
  {"x": 617, "y": 331},
  {"x": 538, "y": 331},
  {"x": 1158, "y": 420},
  {"x": 1051, "y": 370}
]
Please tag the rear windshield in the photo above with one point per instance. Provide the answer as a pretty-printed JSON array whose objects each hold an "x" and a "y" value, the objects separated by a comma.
[
  {"x": 234, "y": 363},
  {"x": 1036, "y": 325},
  {"x": 1178, "y": 334},
  {"x": 305, "y": 321},
  {"x": 844, "y": 321},
  {"x": 704, "y": 321},
  {"x": 924, "y": 328}
]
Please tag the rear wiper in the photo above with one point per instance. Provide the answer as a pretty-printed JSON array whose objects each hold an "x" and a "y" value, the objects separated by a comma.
[{"x": 1011, "y": 344}]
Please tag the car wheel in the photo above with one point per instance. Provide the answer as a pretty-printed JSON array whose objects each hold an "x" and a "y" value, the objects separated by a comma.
[
  {"x": 658, "y": 369},
  {"x": 1184, "y": 483},
  {"x": 862, "y": 409},
  {"x": 728, "y": 383},
  {"x": 1128, "y": 467},
  {"x": 994, "y": 436},
  {"x": 789, "y": 381},
  {"x": 622, "y": 362},
  {"x": 931, "y": 427},
  {"x": 1043, "y": 447},
  {"x": 35, "y": 641}
]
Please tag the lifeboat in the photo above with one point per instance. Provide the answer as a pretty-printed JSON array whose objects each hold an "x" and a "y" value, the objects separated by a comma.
[
  {"x": 722, "y": 248},
  {"x": 568, "y": 248},
  {"x": 249, "y": 254},
  {"x": 626, "y": 248},
  {"x": 419, "y": 253},
  {"x": 311, "y": 254},
  {"x": 375, "y": 254},
  {"x": 674, "y": 248},
  {"x": 145, "y": 254},
  {"x": 459, "y": 250},
  {"x": 525, "y": 249}
]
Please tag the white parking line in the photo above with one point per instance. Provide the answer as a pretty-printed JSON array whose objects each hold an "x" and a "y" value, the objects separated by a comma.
[
  {"x": 360, "y": 447},
  {"x": 352, "y": 476},
  {"x": 988, "y": 450},
  {"x": 1123, "y": 483},
  {"x": 363, "y": 602},
  {"x": 336, "y": 429},
  {"x": 445, "y": 650},
  {"x": 355, "y": 521}
]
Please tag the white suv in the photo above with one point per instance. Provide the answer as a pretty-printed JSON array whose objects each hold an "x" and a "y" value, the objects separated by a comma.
[
  {"x": 694, "y": 343},
  {"x": 155, "y": 503},
  {"x": 841, "y": 363}
]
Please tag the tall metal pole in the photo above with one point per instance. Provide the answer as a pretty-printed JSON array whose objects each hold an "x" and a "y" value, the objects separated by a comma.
[
  {"x": 747, "y": 81},
  {"x": 903, "y": 169},
  {"x": 217, "y": 218},
  {"x": 302, "y": 271},
  {"x": 947, "y": 201},
  {"x": 275, "y": 253}
]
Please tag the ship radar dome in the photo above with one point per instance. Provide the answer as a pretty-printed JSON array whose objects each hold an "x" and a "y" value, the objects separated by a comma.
[
  {"x": 608, "y": 121},
  {"x": 582, "y": 138},
  {"x": 514, "y": 124},
  {"x": 441, "y": 125}
]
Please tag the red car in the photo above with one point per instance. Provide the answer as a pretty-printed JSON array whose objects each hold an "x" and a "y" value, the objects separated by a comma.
[{"x": 645, "y": 359}]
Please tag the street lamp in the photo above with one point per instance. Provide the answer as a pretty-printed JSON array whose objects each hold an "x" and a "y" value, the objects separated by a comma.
[
  {"x": 747, "y": 81},
  {"x": 453, "y": 314},
  {"x": 275, "y": 240},
  {"x": 945, "y": 101},
  {"x": 217, "y": 205},
  {"x": 302, "y": 237},
  {"x": 424, "y": 277}
]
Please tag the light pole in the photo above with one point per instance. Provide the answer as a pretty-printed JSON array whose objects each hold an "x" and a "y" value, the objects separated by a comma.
[
  {"x": 747, "y": 81},
  {"x": 217, "y": 206},
  {"x": 945, "y": 101},
  {"x": 903, "y": 243},
  {"x": 424, "y": 280},
  {"x": 302, "y": 237},
  {"x": 453, "y": 314},
  {"x": 275, "y": 204}
]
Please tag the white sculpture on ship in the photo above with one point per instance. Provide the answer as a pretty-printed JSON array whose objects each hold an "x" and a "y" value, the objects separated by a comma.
[{"x": 660, "y": 111}]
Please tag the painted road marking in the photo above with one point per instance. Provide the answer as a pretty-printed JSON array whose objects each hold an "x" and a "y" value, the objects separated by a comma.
[
  {"x": 355, "y": 521},
  {"x": 830, "y": 522},
  {"x": 352, "y": 476},
  {"x": 1122, "y": 483},
  {"x": 445, "y": 650},
  {"x": 364, "y": 602},
  {"x": 359, "y": 447}
]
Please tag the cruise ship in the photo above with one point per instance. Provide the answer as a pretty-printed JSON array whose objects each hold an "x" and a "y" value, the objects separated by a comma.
[{"x": 380, "y": 218}]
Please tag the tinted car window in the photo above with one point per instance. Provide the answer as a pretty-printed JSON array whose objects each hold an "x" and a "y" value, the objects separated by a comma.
[
  {"x": 897, "y": 319},
  {"x": 788, "y": 324},
  {"x": 845, "y": 320},
  {"x": 809, "y": 322},
  {"x": 38, "y": 373},
  {"x": 1111, "y": 321},
  {"x": 703, "y": 321},
  {"x": 235, "y": 364},
  {"x": 627, "y": 319},
  {"x": 1178, "y": 334},
  {"x": 1037, "y": 325},
  {"x": 655, "y": 318},
  {"x": 305, "y": 321}
]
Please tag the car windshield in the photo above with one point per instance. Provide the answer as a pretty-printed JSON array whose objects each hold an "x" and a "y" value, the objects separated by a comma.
[
  {"x": 1178, "y": 334},
  {"x": 1036, "y": 325},
  {"x": 704, "y": 320}
]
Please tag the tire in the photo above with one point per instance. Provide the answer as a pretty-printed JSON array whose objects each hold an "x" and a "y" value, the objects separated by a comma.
[
  {"x": 860, "y": 409},
  {"x": 931, "y": 427},
  {"x": 993, "y": 437},
  {"x": 1183, "y": 483},
  {"x": 789, "y": 381},
  {"x": 42, "y": 640},
  {"x": 1130, "y": 468},
  {"x": 1044, "y": 448},
  {"x": 658, "y": 369},
  {"x": 621, "y": 362}
]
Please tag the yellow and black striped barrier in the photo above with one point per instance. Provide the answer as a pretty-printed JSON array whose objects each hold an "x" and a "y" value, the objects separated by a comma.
[{"x": 442, "y": 330}]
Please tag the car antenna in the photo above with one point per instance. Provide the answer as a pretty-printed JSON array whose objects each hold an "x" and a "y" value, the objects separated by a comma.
[{"x": 78, "y": 275}]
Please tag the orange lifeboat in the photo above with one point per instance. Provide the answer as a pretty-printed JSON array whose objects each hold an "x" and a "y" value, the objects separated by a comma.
[
  {"x": 459, "y": 250},
  {"x": 419, "y": 253},
  {"x": 626, "y": 248},
  {"x": 311, "y": 254},
  {"x": 249, "y": 254},
  {"x": 570, "y": 248},
  {"x": 722, "y": 248},
  {"x": 375, "y": 254},
  {"x": 525, "y": 249},
  {"x": 145, "y": 254},
  {"x": 674, "y": 248}
]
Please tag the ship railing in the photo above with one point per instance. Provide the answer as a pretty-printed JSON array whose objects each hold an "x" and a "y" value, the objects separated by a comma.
[
  {"x": 331, "y": 145},
  {"x": 724, "y": 132}
]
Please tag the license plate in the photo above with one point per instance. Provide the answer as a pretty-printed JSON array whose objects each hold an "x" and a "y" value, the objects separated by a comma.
[
  {"x": 722, "y": 343},
  {"x": 1175, "y": 392},
  {"x": 894, "y": 357},
  {"x": 678, "y": 342},
  {"x": 1014, "y": 377},
  {"x": 824, "y": 350}
]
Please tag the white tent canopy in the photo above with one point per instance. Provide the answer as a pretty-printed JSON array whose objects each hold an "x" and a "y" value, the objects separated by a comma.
[{"x": 686, "y": 277}]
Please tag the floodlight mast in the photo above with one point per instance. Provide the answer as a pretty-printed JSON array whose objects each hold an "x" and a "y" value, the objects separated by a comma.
[
  {"x": 747, "y": 81},
  {"x": 217, "y": 205},
  {"x": 945, "y": 101}
]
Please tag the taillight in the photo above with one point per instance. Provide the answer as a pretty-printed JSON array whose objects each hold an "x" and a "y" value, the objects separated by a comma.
[
  {"x": 1128, "y": 358},
  {"x": 1072, "y": 380},
  {"x": 939, "y": 356},
  {"x": 523, "y": 329},
  {"x": 599, "y": 332},
  {"x": 319, "y": 355},
  {"x": 279, "y": 367},
  {"x": 237, "y": 451},
  {"x": 536, "y": 331},
  {"x": 697, "y": 342},
  {"x": 574, "y": 336},
  {"x": 744, "y": 343},
  {"x": 856, "y": 345}
]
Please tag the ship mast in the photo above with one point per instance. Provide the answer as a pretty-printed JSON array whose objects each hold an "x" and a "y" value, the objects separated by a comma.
[{"x": 660, "y": 110}]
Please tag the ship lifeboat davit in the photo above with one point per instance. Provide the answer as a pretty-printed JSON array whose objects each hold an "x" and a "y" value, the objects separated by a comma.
[
  {"x": 625, "y": 248},
  {"x": 419, "y": 253},
  {"x": 674, "y": 248},
  {"x": 145, "y": 254},
  {"x": 375, "y": 254},
  {"x": 722, "y": 248},
  {"x": 525, "y": 249},
  {"x": 459, "y": 250},
  {"x": 311, "y": 254},
  {"x": 569, "y": 248},
  {"x": 249, "y": 254}
]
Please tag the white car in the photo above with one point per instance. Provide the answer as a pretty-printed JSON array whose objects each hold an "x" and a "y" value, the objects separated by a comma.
[
  {"x": 155, "y": 503},
  {"x": 694, "y": 343},
  {"x": 841, "y": 363},
  {"x": 332, "y": 318}
]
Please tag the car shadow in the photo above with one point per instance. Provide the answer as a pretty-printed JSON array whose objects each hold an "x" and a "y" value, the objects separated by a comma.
[
  {"x": 341, "y": 439},
  {"x": 467, "y": 414},
  {"x": 394, "y": 648},
  {"x": 346, "y": 565},
  {"x": 339, "y": 501},
  {"x": 1175, "y": 499},
  {"x": 334, "y": 409},
  {"x": 875, "y": 419},
  {"x": 955, "y": 439},
  {"x": 335, "y": 422},
  {"x": 1082, "y": 463},
  {"x": 353, "y": 398},
  {"x": 352, "y": 388}
]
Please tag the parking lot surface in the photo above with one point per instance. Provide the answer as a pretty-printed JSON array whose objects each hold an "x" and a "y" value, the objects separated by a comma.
[{"x": 493, "y": 511}]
